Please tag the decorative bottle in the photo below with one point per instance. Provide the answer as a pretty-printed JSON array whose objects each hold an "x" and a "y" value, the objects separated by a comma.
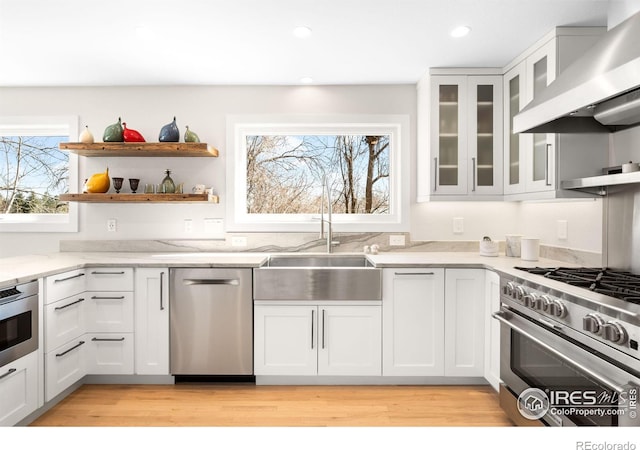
[{"x": 168, "y": 186}]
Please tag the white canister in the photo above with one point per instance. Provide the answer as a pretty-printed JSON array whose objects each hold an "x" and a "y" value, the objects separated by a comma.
[
  {"x": 512, "y": 245},
  {"x": 529, "y": 249},
  {"x": 630, "y": 167}
]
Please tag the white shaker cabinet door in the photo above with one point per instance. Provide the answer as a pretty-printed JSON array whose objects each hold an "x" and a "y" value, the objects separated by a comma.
[
  {"x": 18, "y": 389},
  {"x": 464, "y": 322},
  {"x": 349, "y": 340},
  {"x": 285, "y": 340},
  {"x": 413, "y": 322},
  {"x": 152, "y": 321}
]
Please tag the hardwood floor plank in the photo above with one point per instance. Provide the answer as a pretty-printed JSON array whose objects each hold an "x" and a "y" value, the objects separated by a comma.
[{"x": 276, "y": 406}]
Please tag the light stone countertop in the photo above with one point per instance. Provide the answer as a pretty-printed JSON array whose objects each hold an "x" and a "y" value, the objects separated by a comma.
[{"x": 15, "y": 270}]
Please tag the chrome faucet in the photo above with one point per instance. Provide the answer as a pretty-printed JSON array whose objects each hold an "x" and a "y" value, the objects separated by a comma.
[{"x": 330, "y": 242}]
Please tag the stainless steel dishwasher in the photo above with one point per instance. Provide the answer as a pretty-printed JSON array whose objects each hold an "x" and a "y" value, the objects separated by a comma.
[{"x": 211, "y": 322}]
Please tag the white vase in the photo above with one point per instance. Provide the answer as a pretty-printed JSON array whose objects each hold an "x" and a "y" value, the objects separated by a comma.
[{"x": 86, "y": 137}]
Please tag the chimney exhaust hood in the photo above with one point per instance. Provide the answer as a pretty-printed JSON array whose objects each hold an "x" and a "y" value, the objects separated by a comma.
[{"x": 599, "y": 92}]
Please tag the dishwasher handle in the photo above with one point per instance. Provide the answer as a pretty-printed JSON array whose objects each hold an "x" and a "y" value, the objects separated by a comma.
[{"x": 218, "y": 281}]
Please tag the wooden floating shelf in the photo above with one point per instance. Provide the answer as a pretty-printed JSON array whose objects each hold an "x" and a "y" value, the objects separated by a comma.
[
  {"x": 137, "y": 198},
  {"x": 170, "y": 149}
]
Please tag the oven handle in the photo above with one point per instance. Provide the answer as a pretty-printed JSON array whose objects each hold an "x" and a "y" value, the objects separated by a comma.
[{"x": 499, "y": 316}]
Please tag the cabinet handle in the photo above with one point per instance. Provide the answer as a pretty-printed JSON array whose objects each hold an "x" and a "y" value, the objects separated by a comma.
[
  {"x": 107, "y": 339},
  {"x": 161, "y": 288},
  {"x": 9, "y": 372},
  {"x": 473, "y": 164},
  {"x": 60, "y": 280},
  {"x": 72, "y": 348},
  {"x": 414, "y": 273},
  {"x": 97, "y": 297},
  {"x": 313, "y": 315},
  {"x": 323, "y": 330},
  {"x": 546, "y": 166},
  {"x": 108, "y": 273},
  {"x": 70, "y": 304},
  {"x": 435, "y": 174}
]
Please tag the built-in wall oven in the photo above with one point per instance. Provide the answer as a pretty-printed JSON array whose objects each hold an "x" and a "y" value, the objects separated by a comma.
[
  {"x": 569, "y": 356},
  {"x": 18, "y": 321}
]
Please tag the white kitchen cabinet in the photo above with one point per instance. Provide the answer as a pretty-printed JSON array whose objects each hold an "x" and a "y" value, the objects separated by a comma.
[
  {"x": 413, "y": 322},
  {"x": 64, "y": 321},
  {"x": 536, "y": 163},
  {"x": 285, "y": 340},
  {"x": 465, "y": 134},
  {"x": 492, "y": 330},
  {"x": 109, "y": 353},
  {"x": 18, "y": 389},
  {"x": 464, "y": 322},
  {"x": 64, "y": 366},
  {"x": 109, "y": 311},
  {"x": 317, "y": 340},
  {"x": 350, "y": 340},
  {"x": 110, "y": 279},
  {"x": 63, "y": 285},
  {"x": 152, "y": 321}
]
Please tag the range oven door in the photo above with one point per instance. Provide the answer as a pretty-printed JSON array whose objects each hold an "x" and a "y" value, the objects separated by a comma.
[{"x": 583, "y": 388}]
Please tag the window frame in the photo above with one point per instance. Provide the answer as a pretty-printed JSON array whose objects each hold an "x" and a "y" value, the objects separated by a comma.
[
  {"x": 396, "y": 126},
  {"x": 43, "y": 126}
]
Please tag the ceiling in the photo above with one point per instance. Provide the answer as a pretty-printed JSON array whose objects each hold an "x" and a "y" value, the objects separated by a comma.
[{"x": 194, "y": 42}]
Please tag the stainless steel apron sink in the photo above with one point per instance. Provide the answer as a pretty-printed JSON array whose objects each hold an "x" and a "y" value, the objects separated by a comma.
[{"x": 317, "y": 277}]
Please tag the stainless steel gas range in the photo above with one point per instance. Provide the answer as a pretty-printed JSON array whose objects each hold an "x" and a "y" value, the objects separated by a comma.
[{"x": 569, "y": 346}]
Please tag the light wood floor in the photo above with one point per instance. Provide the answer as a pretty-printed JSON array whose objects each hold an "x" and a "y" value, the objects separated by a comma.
[{"x": 276, "y": 406}]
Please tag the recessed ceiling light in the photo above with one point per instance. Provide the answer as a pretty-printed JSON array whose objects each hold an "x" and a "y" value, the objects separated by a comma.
[
  {"x": 306, "y": 80},
  {"x": 460, "y": 31},
  {"x": 302, "y": 32}
]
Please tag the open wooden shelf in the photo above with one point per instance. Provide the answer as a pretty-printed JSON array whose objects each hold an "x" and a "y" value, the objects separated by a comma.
[
  {"x": 137, "y": 198},
  {"x": 171, "y": 149}
]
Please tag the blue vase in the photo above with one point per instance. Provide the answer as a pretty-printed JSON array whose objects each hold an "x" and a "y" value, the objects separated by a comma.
[{"x": 170, "y": 132}]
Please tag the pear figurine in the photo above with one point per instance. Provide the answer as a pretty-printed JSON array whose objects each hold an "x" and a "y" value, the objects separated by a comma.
[
  {"x": 113, "y": 133},
  {"x": 170, "y": 132},
  {"x": 86, "y": 137},
  {"x": 190, "y": 136},
  {"x": 130, "y": 135},
  {"x": 98, "y": 183}
]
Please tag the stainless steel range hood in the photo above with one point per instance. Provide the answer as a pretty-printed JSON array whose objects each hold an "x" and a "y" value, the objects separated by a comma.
[{"x": 600, "y": 92}]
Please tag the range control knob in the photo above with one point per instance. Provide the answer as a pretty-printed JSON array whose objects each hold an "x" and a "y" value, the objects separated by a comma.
[
  {"x": 614, "y": 332},
  {"x": 519, "y": 293},
  {"x": 508, "y": 288},
  {"x": 593, "y": 323},
  {"x": 542, "y": 302},
  {"x": 529, "y": 300},
  {"x": 557, "y": 308}
]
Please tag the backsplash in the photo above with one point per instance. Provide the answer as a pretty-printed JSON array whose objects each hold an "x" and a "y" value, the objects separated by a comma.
[{"x": 310, "y": 243}]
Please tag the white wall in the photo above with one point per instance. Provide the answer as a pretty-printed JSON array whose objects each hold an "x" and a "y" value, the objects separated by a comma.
[
  {"x": 620, "y": 10},
  {"x": 204, "y": 108}
]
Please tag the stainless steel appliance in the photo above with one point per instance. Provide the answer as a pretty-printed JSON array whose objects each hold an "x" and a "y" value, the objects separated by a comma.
[
  {"x": 18, "y": 321},
  {"x": 211, "y": 322},
  {"x": 569, "y": 337}
]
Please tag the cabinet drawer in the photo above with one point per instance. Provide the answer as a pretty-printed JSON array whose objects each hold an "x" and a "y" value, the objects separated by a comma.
[
  {"x": 64, "y": 366},
  {"x": 109, "y": 353},
  {"x": 64, "y": 321},
  {"x": 110, "y": 279},
  {"x": 109, "y": 312},
  {"x": 64, "y": 285},
  {"x": 18, "y": 389}
]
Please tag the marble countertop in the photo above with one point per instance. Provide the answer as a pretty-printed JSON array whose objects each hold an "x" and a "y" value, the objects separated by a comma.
[{"x": 15, "y": 270}]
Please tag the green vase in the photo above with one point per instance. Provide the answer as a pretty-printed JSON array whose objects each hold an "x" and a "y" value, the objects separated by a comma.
[
  {"x": 113, "y": 133},
  {"x": 168, "y": 186}
]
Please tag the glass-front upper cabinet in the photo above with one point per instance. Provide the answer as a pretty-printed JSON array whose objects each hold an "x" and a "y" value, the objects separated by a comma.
[
  {"x": 466, "y": 136},
  {"x": 514, "y": 144},
  {"x": 541, "y": 70}
]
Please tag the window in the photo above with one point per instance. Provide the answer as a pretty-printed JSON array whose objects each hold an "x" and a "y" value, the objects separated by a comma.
[
  {"x": 281, "y": 164},
  {"x": 34, "y": 172}
]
